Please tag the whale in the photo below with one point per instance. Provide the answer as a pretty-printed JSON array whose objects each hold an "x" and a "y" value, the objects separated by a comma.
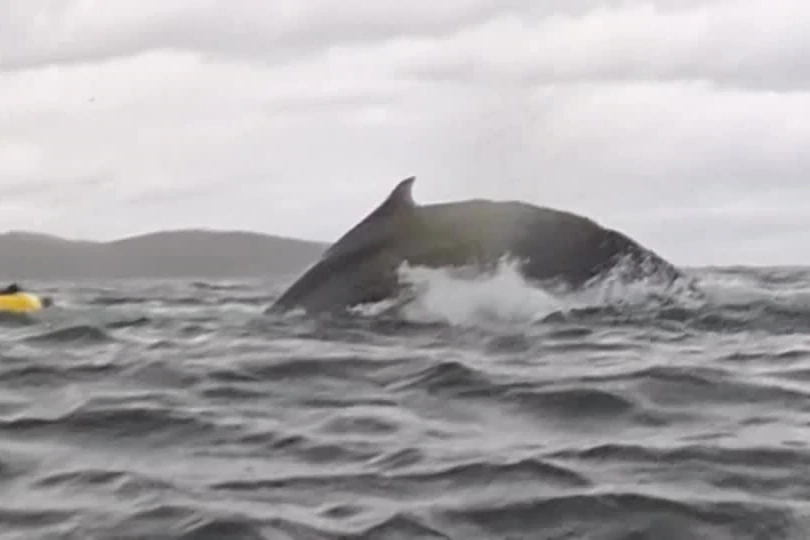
[{"x": 549, "y": 245}]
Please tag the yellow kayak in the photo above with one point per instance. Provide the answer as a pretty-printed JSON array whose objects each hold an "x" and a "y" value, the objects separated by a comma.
[{"x": 20, "y": 302}]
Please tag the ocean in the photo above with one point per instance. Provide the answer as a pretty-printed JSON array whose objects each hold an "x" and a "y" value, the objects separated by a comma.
[{"x": 485, "y": 410}]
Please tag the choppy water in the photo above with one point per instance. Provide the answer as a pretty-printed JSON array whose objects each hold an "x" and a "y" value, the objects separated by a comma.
[{"x": 177, "y": 410}]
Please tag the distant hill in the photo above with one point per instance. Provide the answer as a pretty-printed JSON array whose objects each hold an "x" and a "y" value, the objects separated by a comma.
[{"x": 166, "y": 254}]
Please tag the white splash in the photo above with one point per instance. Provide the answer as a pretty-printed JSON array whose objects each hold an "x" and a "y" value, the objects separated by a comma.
[
  {"x": 504, "y": 298},
  {"x": 499, "y": 297}
]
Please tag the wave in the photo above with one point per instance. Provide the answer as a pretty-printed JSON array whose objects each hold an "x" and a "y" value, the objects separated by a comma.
[
  {"x": 483, "y": 407},
  {"x": 503, "y": 301},
  {"x": 78, "y": 334}
]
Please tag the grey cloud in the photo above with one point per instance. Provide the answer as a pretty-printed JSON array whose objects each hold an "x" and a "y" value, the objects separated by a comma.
[
  {"x": 618, "y": 111},
  {"x": 63, "y": 32},
  {"x": 68, "y": 31},
  {"x": 732, "y": 42},
  {"x": 636, "y": 157},
  {"x": 744, "y": 43}
]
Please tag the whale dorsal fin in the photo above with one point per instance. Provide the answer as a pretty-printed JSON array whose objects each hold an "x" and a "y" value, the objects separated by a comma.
[
  {"x": 400, "y": 198},
  {"x": 398, "y": 201}
]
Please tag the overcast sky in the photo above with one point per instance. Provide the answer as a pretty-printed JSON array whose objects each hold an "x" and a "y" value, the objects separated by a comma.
[{"x": 684, "y": 123}]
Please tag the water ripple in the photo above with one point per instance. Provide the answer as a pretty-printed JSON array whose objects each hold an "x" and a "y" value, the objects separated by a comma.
[{"x": 178, "y": 410}]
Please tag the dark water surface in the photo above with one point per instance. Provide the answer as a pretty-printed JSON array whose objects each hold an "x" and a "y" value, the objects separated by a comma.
[{"x": 156, "y": 410}]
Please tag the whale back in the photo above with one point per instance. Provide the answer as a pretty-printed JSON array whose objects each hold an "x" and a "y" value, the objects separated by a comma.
[{"x": 361, "y": 266}]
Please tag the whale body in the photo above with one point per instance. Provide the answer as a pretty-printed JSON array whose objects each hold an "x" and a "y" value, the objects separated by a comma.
[{"x": 361, "y": 267}]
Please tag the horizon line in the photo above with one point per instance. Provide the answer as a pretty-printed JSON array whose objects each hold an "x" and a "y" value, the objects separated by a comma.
[{"x": 326, "y": 243}]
